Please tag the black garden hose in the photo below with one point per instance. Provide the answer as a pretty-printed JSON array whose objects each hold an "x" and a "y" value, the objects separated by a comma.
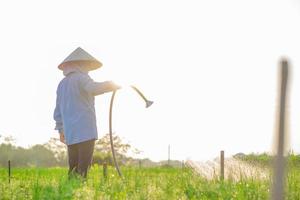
[{"x": 148, "y": 103}]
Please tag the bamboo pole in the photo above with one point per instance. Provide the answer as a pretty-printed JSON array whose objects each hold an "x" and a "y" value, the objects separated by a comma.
[{"x": 280, "y": 160}]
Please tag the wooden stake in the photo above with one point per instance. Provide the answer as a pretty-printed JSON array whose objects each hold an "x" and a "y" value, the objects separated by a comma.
[
  {"x": 140, "y": 164},
  {"x": 280, "y": 160},
  {"x": 222, "y": 165},
  {"x": 169, "y": 155},
  {"x": 105, "y": 170},
  {"x": 9, "y": 172}
]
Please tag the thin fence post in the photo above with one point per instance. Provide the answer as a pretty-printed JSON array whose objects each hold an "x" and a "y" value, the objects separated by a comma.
[
  {"x": 140, "y": 164},
  {"x": 9, "y": 172},
  {"x": 280, "y": 160},
  {"x": 105, "y": 170},
  {"x": 222, "y": 165},
  {"x": 169, "y": 156}
]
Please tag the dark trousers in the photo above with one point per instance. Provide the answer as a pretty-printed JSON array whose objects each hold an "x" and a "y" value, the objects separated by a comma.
[{"x": 80, "y": 157}]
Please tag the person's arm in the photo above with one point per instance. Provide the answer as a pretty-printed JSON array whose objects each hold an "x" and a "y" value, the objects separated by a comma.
[
  {"x": 58, "y": 121},
  {"x": 97, "y": 88}
]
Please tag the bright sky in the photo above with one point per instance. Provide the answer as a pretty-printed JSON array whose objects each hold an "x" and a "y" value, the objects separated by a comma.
[{"x": 210, "y": 67}]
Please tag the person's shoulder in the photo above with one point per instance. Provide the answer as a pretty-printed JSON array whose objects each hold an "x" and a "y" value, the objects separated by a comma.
[
  {"x": 75, "y": 76},
  {"x": 83, "y": 77},
  {"x": 61, "y": 82}
]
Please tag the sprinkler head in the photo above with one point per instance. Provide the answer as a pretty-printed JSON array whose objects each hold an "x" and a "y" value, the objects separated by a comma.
[{"x": 148, "y": 103}]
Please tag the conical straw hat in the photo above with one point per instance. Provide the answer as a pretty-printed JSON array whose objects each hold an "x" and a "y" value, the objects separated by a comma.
[{"x": 82, "y": 57}]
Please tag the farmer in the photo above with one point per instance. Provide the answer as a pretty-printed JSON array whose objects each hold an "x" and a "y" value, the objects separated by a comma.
[{"x": 75, "y": 112}]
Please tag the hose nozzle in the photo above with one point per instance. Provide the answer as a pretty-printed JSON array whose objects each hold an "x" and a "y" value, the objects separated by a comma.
[{"x": 148, "y": 103}]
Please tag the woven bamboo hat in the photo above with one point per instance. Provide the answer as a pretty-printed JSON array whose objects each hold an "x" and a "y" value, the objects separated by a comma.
[{"x": 83, "y": 58}]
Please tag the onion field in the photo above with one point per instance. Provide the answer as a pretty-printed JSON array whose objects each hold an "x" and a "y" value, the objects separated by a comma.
[{"x": 138, "y": 183}]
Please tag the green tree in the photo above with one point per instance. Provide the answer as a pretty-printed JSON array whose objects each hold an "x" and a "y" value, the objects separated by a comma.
[
  {"x": 103, "y": 153},
  {"x": 59, "y": 149}
]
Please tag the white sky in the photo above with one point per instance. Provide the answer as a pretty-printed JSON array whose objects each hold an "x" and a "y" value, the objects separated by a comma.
[{"x": 210, "y": 67}]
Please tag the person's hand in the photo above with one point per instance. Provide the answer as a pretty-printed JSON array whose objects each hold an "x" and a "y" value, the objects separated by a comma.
[
  {"x": 117, "y": 87},
  {"x": 114, "y": 86},
  {"x": 62, "y": 137}
]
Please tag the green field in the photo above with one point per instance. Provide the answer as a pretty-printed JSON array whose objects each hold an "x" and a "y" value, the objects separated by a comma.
[{"x": 145, "y": 183}]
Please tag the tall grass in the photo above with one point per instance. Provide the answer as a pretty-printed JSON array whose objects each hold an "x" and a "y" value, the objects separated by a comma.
[{"x": 145, "y": 183}]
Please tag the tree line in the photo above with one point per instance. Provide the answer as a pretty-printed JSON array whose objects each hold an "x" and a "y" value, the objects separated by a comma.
[{"x": 54, "y": 153}]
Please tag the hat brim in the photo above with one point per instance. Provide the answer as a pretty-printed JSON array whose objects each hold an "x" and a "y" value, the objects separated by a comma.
[{"x": 88, "y": 64}]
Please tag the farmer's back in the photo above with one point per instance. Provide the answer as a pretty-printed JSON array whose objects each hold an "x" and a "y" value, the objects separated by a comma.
[{"x": 76, "y": 106}]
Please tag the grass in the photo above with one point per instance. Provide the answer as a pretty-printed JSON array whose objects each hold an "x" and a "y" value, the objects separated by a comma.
[{"x": 145, "y": 183}]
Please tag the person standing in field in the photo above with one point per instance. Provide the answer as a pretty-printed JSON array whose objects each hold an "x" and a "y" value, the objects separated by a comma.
[{"x": 74, "y": 113}]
